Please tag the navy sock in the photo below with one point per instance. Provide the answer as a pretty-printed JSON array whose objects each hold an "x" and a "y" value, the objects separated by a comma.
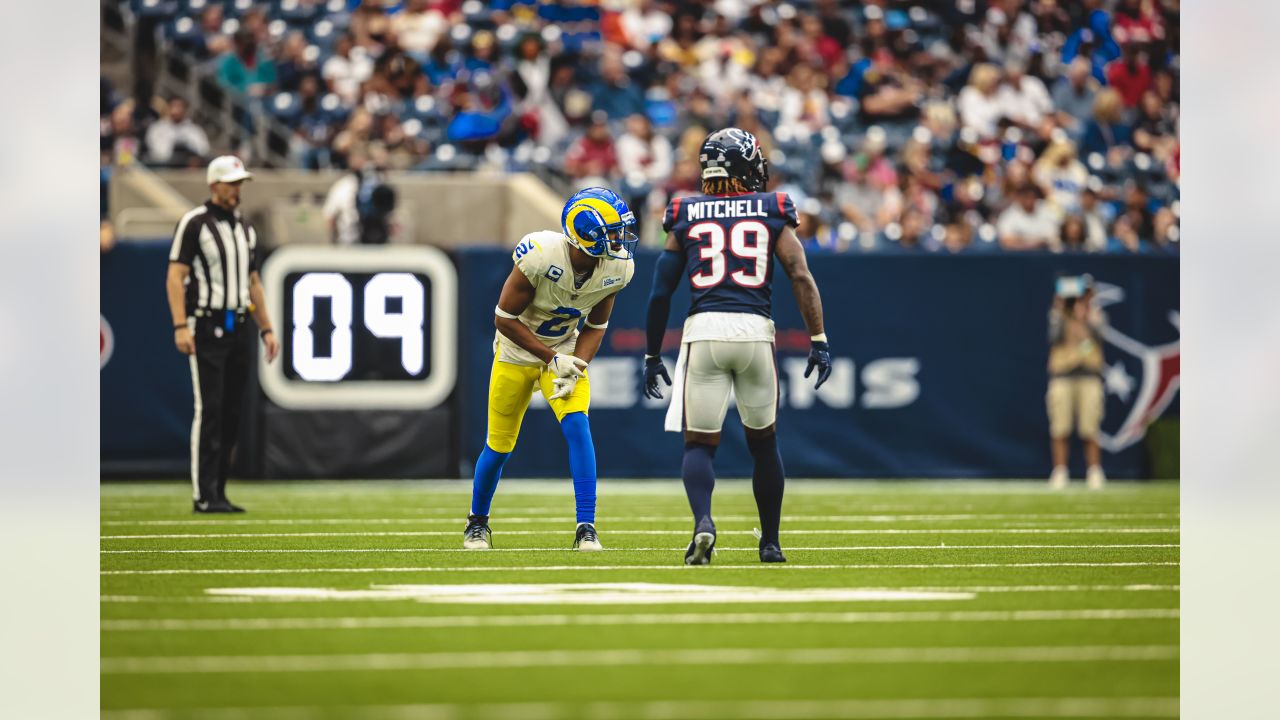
[
  {"x": 488, "y": 472},
  {"x": 766, "y": 483},
  {"x": 699, "y": 478},
  {"x": 582, "y": 463}
]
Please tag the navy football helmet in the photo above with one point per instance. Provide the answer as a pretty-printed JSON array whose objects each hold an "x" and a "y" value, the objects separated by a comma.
[{"x": 735, "y": 153}]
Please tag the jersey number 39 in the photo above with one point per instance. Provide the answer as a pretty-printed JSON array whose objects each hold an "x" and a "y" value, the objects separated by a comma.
[{"x": 748, "y": 239}]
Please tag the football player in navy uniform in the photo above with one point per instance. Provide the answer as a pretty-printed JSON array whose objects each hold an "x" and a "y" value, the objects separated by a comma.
[{"x": 725, "y": 241}]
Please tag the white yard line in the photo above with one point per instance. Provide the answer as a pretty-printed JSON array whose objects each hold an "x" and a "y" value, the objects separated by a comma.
[
  {"x": 308, "y": 551},
  {"x": 606, "y": 531},
  {"x": 631, "y": 568},
  {"x": 523, "y": 520},
  {"x": 475, "y": 621},
  {"x": 170, "y": 599},
  {"x": 882, "y": 709},
  {"x": 208, "y": 664}
]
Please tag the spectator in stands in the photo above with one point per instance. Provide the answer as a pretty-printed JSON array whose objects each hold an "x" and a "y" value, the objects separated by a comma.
[
  {"x": 1073, "y": 236},
  {"x": 1131, "y": 75},
  {"x": 593, "y": 160},
  {"x": 1107, "y": 130},
  {"x": 119, "y": 136},
  {"x": 615, "y": 94},
  {"x": 174, "y": 140},
  {"x": 1095, "y": 221},
  {"x": 347, "y": 69},
  {"x": 1075, "y": 396},
  {"x": 803, "y": 108},
  {"x": 216, "y": 42},
  {"x": 813, "y": 233},
  {"x": 371, "y": 26},
  {"x": 248, "y": 70},
  {"x": 293, "y": 62},
  {"x": 642, "y": 153},
  {"x": 1061, "y": 176},
  {"x": 1155, "y": 129},
  {"x": 979, "y": 102},
  {"x": 1029, "y": 223},
  {"x": 350, "y": 199},
  {"x": 1024, "y": 99},
  {"x": 418, "y": 27},
  {"x": 1073, "y": 97}
]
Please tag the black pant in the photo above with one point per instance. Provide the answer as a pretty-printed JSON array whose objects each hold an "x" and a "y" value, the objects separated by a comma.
[{"x": 219, "y": 374}]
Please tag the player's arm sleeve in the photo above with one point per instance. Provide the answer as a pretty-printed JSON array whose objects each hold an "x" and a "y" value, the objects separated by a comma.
[
  {"x": 666, "y": 278},
  {"x": 671, "y": 214},
  {"x": 186, "y": 241},
  {"x": 787, "y": 207}
]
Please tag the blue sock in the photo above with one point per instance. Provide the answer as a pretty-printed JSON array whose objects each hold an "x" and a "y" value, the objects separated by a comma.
[
  {"x": 699, "y": 478},
  {"x": 488, "y": 472},
  {"x": 766, "y": 483},
  {"x": 582, "y": 463}
]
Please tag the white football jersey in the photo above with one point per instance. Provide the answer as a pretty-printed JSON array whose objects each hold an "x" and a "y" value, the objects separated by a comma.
[{"x": 558, "y": 305}]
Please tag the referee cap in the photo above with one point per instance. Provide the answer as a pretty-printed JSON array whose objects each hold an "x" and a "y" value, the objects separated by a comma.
[{"x": 227, "y": 168}]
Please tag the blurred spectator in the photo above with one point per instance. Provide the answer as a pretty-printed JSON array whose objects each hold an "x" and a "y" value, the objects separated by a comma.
[
  {"x": 867, "y": 177},
  {"x": 1131, "y": 75},
  {"x": 1061, "y": 176},
  {"x": 216, "y": 42},
  {"x": 175, "y": 140},
  {"x": 1155, "y": 129},
  {"x": 106, "y": 236},
  {"x": 294, "y": 62},
  {"x": 347, "y": 69},
  {"x": 593, "y": 160},
  {"x": 371, "y": 26},
  {"x": 1029, "y": 223},
  {"x": 1073, "y": 236},
  {"x": 1073, "y": 96},
  {"x": 119, "y": 136},
  {"x": 1095, "y": 223},
  {"x": 1024, "y": 98},
  {"x": 1107, "y": 129},
  {"x": 351, "y": 199},
  {"x": 642, "y": 154},
  {"x": 418, "y": 27},
  {"x": 813, "y": 233},
  {"x": 979, "y": 104},
  {"x": 247, "y": 70},
  {"x": 615, "y": 94}
]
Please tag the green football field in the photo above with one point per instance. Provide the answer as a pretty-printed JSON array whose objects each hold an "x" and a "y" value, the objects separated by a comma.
[{"x": 900, "y": 600}]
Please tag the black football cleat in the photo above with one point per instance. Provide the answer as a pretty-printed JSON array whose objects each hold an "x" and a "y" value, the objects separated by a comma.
[
  {"x": 211, "y": 507},
  {"x": 477, "y": 535},
  {"x": 702, "y": 545},
  {"x": 771, "y": 553},
  {"x": 234, "y": 507}
]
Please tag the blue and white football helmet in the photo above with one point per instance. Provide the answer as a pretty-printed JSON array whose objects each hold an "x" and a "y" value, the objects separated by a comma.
[{"x": 600, "y": 224}]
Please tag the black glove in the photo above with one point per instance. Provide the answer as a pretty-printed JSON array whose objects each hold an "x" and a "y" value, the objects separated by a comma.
[
  {"x": 654, "y": 369},
  {"x": 819, "y": 357}
]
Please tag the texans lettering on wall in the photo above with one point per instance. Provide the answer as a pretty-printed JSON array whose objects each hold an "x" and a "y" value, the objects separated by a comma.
[{"x": 1141, "y": 379}]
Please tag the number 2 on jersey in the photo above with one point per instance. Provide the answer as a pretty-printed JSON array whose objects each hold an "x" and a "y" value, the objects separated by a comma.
[
  {"x": 748, "y": 240},
  {"x": 559, "y": 325}
]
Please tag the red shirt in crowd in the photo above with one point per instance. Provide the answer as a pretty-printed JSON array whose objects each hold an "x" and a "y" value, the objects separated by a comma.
[{"x": 1130, "y": 82}]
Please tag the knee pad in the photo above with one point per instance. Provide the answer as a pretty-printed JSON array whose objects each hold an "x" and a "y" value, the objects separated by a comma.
[{"x": 502, "y": 442}]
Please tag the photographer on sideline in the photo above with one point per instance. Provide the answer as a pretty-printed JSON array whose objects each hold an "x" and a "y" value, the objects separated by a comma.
[{"x": 1075, "y": 393}]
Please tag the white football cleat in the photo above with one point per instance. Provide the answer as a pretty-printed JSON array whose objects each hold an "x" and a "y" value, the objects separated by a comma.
[
  {"x": 477, "y": 535},
  {"x": 1095, "y": 479},
  {"x": 1058, "y": 478},
  {"x": 585, "y": 539}
]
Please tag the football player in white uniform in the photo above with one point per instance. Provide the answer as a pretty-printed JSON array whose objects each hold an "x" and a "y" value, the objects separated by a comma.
[{"x": 558, "y": 280}]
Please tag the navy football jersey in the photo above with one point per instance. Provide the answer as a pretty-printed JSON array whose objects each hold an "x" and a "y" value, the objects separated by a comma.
[{"x": 728, "y": 243}]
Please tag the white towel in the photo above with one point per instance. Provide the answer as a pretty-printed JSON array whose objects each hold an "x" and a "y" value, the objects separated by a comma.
[{"x": 675, "y": 411}]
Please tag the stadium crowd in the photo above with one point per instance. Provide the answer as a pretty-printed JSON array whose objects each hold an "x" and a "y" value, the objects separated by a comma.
[{"x": 925, "y": 126}]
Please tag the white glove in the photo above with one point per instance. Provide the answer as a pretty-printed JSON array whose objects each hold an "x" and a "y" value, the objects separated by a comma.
[
  {"x": 566, "y": 366},
  {"x": 564, "y": 387}
]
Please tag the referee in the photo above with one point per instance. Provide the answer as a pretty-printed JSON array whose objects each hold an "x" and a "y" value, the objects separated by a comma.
[{"x": 213, "y": 286}]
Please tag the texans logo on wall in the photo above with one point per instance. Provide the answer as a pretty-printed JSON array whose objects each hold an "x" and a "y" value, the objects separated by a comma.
[
  {"x": 1141, "y": 379},
  {"x": 106, "y": 342}
]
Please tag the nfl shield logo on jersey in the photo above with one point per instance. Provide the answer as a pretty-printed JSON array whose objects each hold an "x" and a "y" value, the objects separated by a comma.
[{"x": 1141, "y": 379}]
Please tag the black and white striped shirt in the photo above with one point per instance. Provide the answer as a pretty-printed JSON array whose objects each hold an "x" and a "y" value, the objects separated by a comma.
[{"x": 222, "y": 250}]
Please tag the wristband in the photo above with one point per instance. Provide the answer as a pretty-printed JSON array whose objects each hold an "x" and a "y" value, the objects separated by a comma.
[
  {"x": 504, "y": 314},
  {"x": 263, "y": 333},
  {"x": 183, "y": 326},
  {"x": 820, "y": 337},
  {"x": 601, "y": 326}
]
